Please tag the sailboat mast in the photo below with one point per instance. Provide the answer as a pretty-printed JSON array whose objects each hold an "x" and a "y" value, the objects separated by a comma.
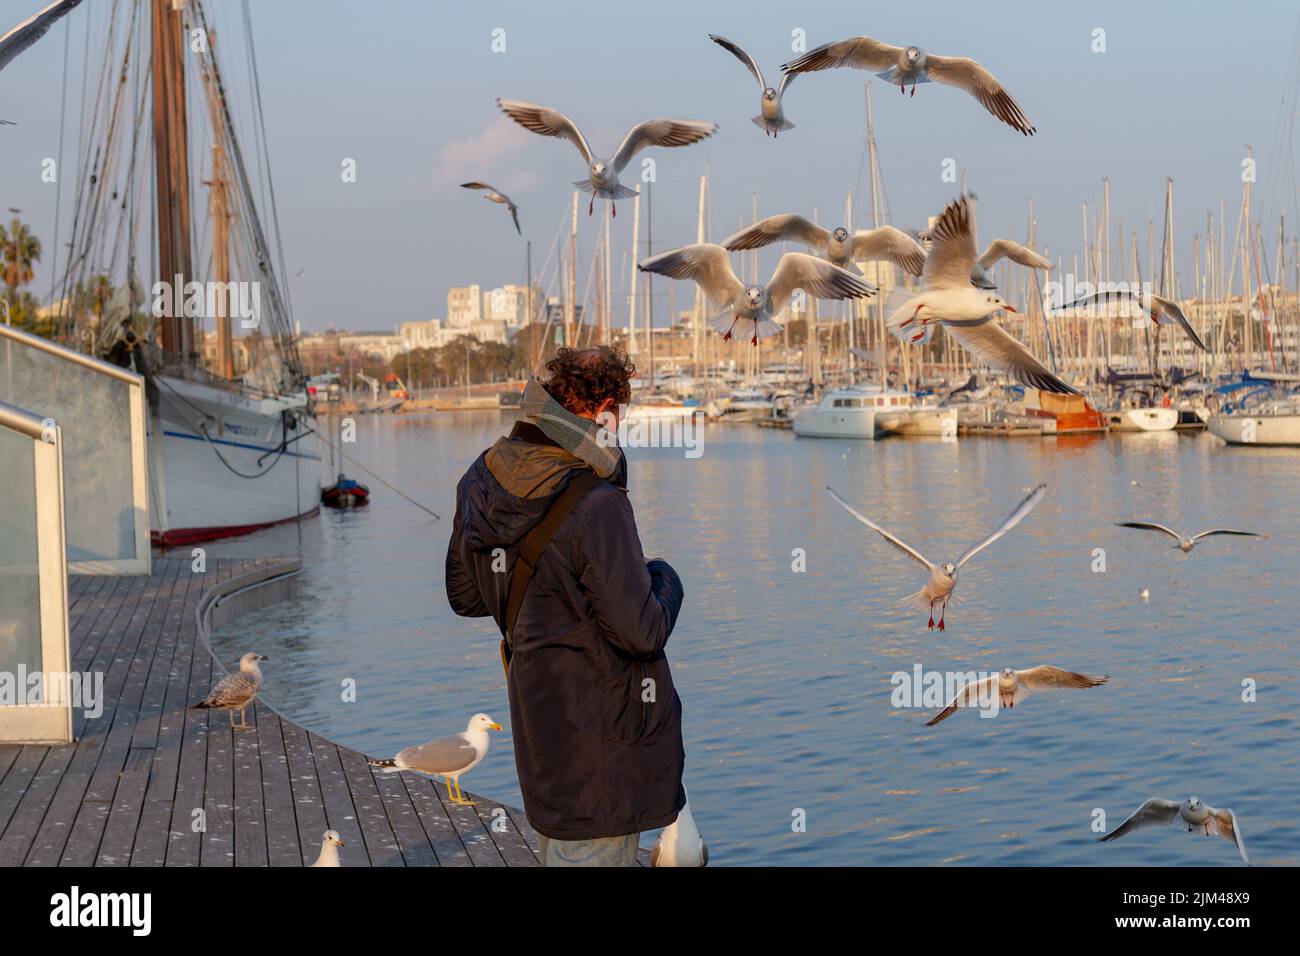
[
  {"x": 219, "y": 205},
  {"x": 171, "y": 171}
]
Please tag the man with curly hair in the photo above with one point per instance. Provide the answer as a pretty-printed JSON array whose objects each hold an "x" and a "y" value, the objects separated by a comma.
[{"x": 544, "y": 533}]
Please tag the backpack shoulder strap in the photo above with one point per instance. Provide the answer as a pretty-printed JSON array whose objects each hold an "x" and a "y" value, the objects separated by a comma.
[{"x": 532, "y": 546}]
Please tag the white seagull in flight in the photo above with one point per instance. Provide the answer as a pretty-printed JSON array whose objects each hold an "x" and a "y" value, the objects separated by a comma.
[
  {"x": 1185, "y": 543},
  {"x": 1013, "y": 686},
  {"x": 771, "y": 118},
  {"x": 602, "y": 174},
  {"x": 963, "y": 310},
  {"x": 1193, "y": 812},
  {"x": 710, "y": 266},
  {"x": 904, "y": 65},
  {"x": 943, "y": 577},
  {"x": 495, "y": 195},
  {"x": 837, "y": 246}
]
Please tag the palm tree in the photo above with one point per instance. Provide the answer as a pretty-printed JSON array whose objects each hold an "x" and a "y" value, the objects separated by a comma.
[{"x": 19, "y": 251}]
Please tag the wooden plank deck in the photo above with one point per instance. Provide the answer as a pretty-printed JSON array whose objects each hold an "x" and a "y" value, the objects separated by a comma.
[{"x": 151, "y": 783}]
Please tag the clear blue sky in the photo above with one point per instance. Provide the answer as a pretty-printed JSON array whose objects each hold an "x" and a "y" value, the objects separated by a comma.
[{"x": 407, "y": 88}]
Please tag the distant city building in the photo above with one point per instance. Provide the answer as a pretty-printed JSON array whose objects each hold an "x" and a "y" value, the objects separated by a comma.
[
  {"x": 509, "y": 304},
  {"x": 464, "y": 306}
]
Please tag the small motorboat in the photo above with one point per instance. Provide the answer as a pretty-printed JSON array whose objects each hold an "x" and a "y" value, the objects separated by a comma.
[{"x": 345, "y": 493}]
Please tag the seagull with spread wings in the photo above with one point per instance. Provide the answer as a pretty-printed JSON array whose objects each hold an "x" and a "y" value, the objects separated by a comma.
[
  {"x": 837, "y": 246},
  {"x": 1197, "y": 816},
  {"x": 493, "y": 194},
  {"x": 29, "y": 31},
  {"x": 966, "y": 313},
  {"x": 771, "y": 118},
  {"x": 1161, "y": 310},
  {"x": 1013, "y": 686},
  {"x": 943, "y": 577},
  {"x": 904, "y": 65},
  {"x": 448, "y": 757},
  {"x": 981, "y": 274},
  {"x": 710, "y": 267},
  {"x": 602, "y": 174},
  {"x": 1185, "y": 543}
]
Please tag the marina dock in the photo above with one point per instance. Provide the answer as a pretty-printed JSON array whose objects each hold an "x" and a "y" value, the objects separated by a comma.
[{"x": 150, "y": 782}]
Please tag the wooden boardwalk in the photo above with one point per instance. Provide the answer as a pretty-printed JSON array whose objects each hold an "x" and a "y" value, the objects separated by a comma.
[{"x": 151, "y": 783}]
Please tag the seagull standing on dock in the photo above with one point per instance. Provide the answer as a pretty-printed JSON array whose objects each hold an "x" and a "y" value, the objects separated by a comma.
[
  {"x": 329, "y": 849},
  {"x": 943, "y": 577},
  {"x": 236, "y": 692},
  {"x": 29, "y": 31},
  {"x": 1161, "y": 310},
  {"x": 602, "y": 174},
  {"x": 1193, "y": 812},
  {"x": 1014, "y": 686},
  {"x": 964, "y": 311},
  {"x": 837, "y": 246},
  {"x": 680, "y": 843},
  {"x": 1185, "y": 544},
  {"x": 447, "y": 757},
  {"x": 904, "y": 65},
  {"x": 710, "y": 266},
  {"x": 495, "y": 195},
  {"x": 771, "y": 118}
]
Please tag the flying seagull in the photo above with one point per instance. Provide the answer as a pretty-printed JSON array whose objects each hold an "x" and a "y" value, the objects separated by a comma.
[
  {"x": 29, "y": 31},
  {"x": 329, "y": 849},
  {"x": 602, "y": 174},
  {"x": 1014, "y": 686},
  {"x": 1193, "y": 812},
  {"x": 680, "y": 843},
  {"x": 496, "y": 195},
  {"x": 1162, "y": 310},
  {"x": 447, "y": 757},
  {"x": 980, "y": 276},
  {"x": 1184, "y": 544},
  {"x": 771, "y": 119},
  {"x": 903, "y": 65},
  {"x": 964, "y": 311},
  {"x": 709, "y": 265},
  {"x": 837, "y": 246},
  {"x": 943, "y": 577},
  {"x": 236, "y": 692}
]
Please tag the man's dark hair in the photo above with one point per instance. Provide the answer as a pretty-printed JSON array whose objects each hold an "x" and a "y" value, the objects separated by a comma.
[{"x": 580, "y": 379}]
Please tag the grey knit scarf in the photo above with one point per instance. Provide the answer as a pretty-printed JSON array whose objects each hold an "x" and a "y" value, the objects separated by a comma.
[{"x": 578, "y": 436}]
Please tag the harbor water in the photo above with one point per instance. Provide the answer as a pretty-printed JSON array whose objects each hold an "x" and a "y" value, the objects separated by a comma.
[{"x": 794, "y": 628}]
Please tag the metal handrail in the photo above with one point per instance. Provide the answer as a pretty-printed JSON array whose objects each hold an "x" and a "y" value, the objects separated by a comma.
[{"x": 87, "y": 361}]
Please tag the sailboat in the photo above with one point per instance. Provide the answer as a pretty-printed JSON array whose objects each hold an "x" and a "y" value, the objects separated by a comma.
[{"x": 229, "y": 452}]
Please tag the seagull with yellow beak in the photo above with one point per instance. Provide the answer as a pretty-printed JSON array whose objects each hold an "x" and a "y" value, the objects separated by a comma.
[{"x": 447, "y": 757}]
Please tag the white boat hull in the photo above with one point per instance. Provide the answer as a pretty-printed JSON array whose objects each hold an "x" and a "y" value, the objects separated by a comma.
[
  {"x": 1142, "y": 419},
  {"x": 1275, "y": 430},
  {"x": 222, "y": 464},
  {"x": 837, "y": 423}
]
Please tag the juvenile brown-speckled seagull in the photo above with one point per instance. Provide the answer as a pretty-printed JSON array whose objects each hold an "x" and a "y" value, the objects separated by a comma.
[
  {"x": 602, "y": 174},
  {"x": 903, "y": 65},
  {"x": 329, "y": 849},
  {"x": 1013, "y": 686},
  {"x": 771, "y": 118},
  {"x": 1192, "y": 811},
  {"x": 1185, "y": 544},
  {"x": 965, "y": 312},
  {"x": 495, "y": 195},
  {"x": 943, "y": 577},
  {"x": 29, "y": 31},
  {"x": 236, "y": 692},
  {"x": 680, "y": 843},
  {"x": 447, "y": 757},
  {"x": 837, "y": 246},
  {"x": 710, "y": 267}
]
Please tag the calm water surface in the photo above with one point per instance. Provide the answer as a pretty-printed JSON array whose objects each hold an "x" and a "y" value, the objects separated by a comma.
[{"x": 785, "y": 677}]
